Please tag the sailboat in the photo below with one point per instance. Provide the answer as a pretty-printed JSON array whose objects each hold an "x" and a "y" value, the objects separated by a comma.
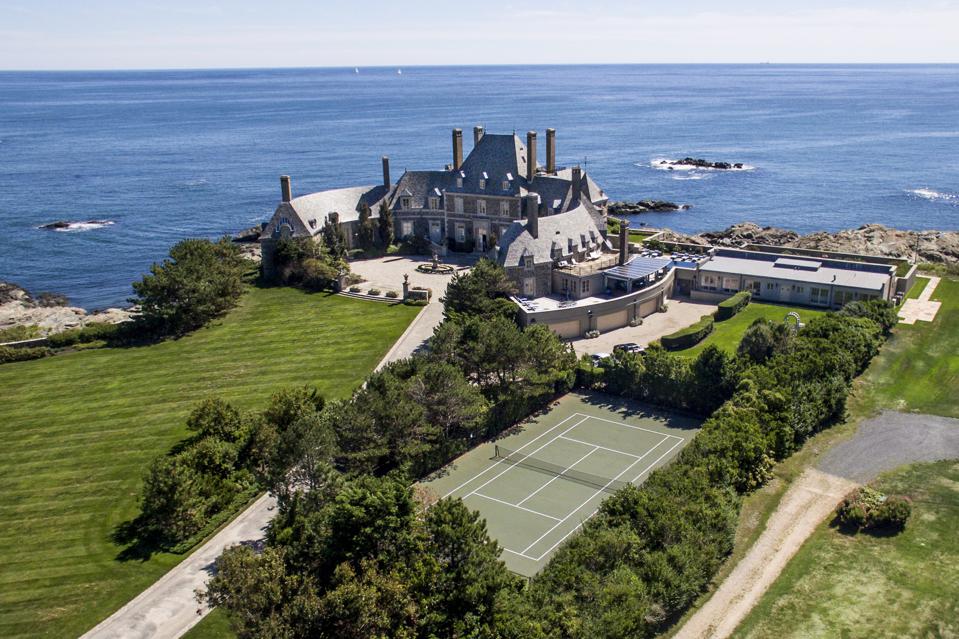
[
  {"x": 356, "y": 69},
  {"x": 399, "y": 72}
]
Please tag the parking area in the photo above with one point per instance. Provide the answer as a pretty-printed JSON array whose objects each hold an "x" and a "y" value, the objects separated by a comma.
[{"x": 681, "y": 313}]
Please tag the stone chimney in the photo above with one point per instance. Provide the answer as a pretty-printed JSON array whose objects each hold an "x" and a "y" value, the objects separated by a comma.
[
  {"x": 477, "y": 134},
  {"x": 577, "y": 181},
  {"x": 530, "y": 154},
  {"x": 551, "y": 151},
  {"x": 532, "y": 214},
  {"x": 286, "y": 191},
  {"x": 623, "y": 240},
  {"x": 386, "y": 172},
  {"x": 457, "y": 149}
]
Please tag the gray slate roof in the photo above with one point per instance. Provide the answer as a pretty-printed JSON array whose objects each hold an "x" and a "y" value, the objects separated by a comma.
[
  {"x": 498, "y": 156},
  {"x": 564, "y": 233},
  {"x": 421, "y": 184},
  {"x": 307, "y": 213}
]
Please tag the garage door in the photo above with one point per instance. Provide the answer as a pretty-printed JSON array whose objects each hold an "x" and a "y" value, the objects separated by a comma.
[
  {"x": 648, "y": 307},
  {"x": 566, "y": 330},
  {"x": 612, "y": 320}
]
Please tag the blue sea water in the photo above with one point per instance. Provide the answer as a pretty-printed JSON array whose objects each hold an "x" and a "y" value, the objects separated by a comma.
[{"x": 173, "y": 154}]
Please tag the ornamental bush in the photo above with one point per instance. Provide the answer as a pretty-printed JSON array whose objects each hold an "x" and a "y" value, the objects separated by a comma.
[
  {"x": 8, "y": 354},
  {"x": 729, "y": 307},
  {"x": 689, "y": 336}
]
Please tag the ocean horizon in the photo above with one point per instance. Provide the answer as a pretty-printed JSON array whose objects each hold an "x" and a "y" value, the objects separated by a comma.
[{"x": 146, "y": 158}]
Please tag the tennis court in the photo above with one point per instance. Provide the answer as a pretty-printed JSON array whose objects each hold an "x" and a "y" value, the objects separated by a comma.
[{"x": 537, "y": 486}]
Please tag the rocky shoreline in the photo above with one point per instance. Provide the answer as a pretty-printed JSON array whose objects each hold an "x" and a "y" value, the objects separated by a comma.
[
  {"x": 870, "y": 239},
  {"x": 700, "y": 163},
  {"x": 645, "y": 206},
  {"x": 49, "y": 312}
]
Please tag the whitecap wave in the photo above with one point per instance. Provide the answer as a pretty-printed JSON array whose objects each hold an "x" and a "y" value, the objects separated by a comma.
[
  {"x": 935, "y": 196},
  {"x": 74, "y": 227}
]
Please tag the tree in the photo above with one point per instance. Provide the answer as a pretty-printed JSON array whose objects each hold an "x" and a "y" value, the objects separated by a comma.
[
  {"x": 366, "y": 228},
  {"x": 880, "y": 311},
  {"x": 387, "y": 233},
  {"x": 215, "y": 418},
  {"x": 482, "y": 292},
  {"x": 201, "y": 280},
  {"x": 333, "y": 238},
  {"x": 763, "y": 339}
]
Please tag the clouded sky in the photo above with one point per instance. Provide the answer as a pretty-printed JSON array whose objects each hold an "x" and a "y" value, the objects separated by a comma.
[{"x": 112, "y": 34}]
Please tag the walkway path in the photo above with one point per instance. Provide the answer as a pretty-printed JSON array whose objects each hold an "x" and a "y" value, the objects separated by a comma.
[
  {"x": 882, "y": 443},
  {"x": 922, "y": 308},
  {"x": 168, "y": 608}
]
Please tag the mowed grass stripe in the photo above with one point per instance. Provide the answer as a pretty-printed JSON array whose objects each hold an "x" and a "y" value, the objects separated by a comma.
[{"x": 79, "y": 430}]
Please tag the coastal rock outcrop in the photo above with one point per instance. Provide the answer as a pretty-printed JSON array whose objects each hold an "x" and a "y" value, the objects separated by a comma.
[
  {"x": 869, "y": 239},
  {"x": 82, "y": 225},
  {"x": 700, "y": 163},
  {"x": 49, "y": 312},
  {"x": 645, "y": 206}
]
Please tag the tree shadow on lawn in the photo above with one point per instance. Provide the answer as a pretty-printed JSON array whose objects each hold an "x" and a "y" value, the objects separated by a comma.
[{"x": 136, "y": 547}]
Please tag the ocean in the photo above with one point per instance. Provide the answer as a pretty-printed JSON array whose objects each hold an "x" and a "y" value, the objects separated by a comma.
[{"x": 162, "y": 155}]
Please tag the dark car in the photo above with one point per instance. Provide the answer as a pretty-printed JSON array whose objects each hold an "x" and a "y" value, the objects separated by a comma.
[{"x": 629, "y": 347}]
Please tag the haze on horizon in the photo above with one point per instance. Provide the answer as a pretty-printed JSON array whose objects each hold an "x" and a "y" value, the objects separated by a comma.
[{"x": 109, "y": 34}]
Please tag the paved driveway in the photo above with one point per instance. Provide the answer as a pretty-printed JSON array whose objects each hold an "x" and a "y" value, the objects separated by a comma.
[
  {"x": 386, "y": 273},
  {"x": 681, "y": 313}
]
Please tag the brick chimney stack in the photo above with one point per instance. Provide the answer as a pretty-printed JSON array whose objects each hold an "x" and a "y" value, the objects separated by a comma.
[
  {"x": 530, "y": 154},
  {"x": 623, "y": 240},
  {"x": 551, "y": 151},
  {"x": 532, "y": 214},
  {"x": 386, "y": 172},
  {"x": 577, "y": 181},
  {"x": 457, "y": 149},
  {"x": 477, "y": 134},
  {"x": 286, "y": 191}
]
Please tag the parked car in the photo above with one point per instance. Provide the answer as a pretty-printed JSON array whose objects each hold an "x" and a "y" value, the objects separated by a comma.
[
  {"x": 599, "y": 357},
  {"x": 629, "y": 347}
]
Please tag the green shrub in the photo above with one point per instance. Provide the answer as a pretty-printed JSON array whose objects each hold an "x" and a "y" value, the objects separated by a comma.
[
  {"x": 8, "y": 354},
  {"x": 731, "y": 306},
  {"x": 689, "y": 336},
  {"x": 893, "y": 513},
  {"x": 392, "y": 294},
  {"x": 354, "y": 289},
  {"x": 412, "y": 302},
  {"x": 92, "y": 332},
  {"x": 866, "y": 508},
  {"x": 19, "y": 333},
  {"x": 373, "y": 291}
]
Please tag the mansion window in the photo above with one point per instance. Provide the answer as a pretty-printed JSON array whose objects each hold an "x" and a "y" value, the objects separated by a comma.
[
  {"x": 434, "y": 202},
  {"x": 406, "y": 228},
  {"x": 481, "y": 207},
  {"x": 407, "y": 202},
  {"x": 528, "y": 262},
  {"x": 460, "y": 232},
  {"x": 504, "y": 208},
  {"x": 458, "y": 205}
]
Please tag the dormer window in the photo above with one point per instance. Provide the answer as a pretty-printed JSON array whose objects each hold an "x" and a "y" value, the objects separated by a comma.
[
  {"x": 528, "y": 262},
  {"x": 482, "y": 182},
  {"x": 407, "y": 202},
  {"x": 313, "y": 223},
  {"x": 434, "y": 202},
  {"x": 459, "y": 182},
  {"x": 506, "y": 185}
]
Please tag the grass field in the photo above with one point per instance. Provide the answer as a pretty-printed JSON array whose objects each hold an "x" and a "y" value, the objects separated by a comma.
[
  {"x": 726, "y": 334},
  {"x": 907, "y": 585},
  {"x": 79, "y": 429}
]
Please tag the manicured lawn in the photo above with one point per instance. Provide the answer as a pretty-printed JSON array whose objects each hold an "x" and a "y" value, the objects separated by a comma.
[
  {"x": 726, "y": 334},
  {"x": 919, "y": 367},
  {"x": 906, "y": 585},
  {"x": 917, "y": 288},
  {"x": 79, "y": 429}
]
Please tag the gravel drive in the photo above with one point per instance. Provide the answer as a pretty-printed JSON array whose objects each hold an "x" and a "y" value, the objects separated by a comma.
[{"x": 890, "y": 440}]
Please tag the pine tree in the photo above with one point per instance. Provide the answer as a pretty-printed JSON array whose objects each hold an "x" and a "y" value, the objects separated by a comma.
[
  {"x": 366, "y": 233},
  {"x": 333, "y": 237},
  {"x": 387, "y": 236}
]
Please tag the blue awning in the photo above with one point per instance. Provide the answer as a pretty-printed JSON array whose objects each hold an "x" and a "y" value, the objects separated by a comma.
[{"x": 638, "y": 268}]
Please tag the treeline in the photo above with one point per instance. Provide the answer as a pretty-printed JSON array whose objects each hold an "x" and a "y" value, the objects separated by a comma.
[{"x": 354, "y": 552}]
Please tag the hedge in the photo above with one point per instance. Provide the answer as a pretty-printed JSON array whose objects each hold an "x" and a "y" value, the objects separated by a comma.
[
  {"x": 92, "y": 332},
  {"x": 9, "y": 354},
  {"x": 731, "y": 306},
  {"x": 689, "y": 336}
]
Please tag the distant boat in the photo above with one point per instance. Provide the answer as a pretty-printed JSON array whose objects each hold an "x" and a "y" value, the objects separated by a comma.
[
  {"x": 356, "y": 69},
  {"x": 399, "y": 72}
]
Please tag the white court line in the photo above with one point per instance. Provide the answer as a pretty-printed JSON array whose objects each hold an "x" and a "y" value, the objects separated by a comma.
[
  {"x": 512, "y": 466},
  {"x": 519, "y": 554},
  {"x": 579, "y": 525},
  {"x": 655, "y": 432},
  {"x": 568, "y": 468},
  {"x": 506, "y": 503},
  {"x": 579, "y": 441},
  {"x": 483, "y": 472}
]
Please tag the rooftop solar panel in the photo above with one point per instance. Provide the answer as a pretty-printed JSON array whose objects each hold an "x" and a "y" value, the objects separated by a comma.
[{"x": 638, "y": 267}]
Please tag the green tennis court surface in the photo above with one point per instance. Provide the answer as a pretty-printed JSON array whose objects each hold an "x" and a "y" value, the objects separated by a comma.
[{"x": 536, "y": 487}]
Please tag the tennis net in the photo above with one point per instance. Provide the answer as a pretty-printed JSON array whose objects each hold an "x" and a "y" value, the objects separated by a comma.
[{"x": 516, "y": 458}]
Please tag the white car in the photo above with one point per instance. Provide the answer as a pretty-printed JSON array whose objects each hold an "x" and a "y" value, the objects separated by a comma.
[{"x": 599, "y": 357}]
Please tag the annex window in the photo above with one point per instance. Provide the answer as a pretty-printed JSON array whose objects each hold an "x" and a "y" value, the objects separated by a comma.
[
  {"x": 770, "y": 286},
  {"x": 481, "y": 207},
  {"x": 434, "y": 202},
  {"x": 458, "y": 205},
  {"x": 585, "y": 286}
]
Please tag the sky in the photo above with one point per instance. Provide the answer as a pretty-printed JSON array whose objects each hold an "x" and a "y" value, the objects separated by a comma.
[{"x": 134, "y": 34}]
